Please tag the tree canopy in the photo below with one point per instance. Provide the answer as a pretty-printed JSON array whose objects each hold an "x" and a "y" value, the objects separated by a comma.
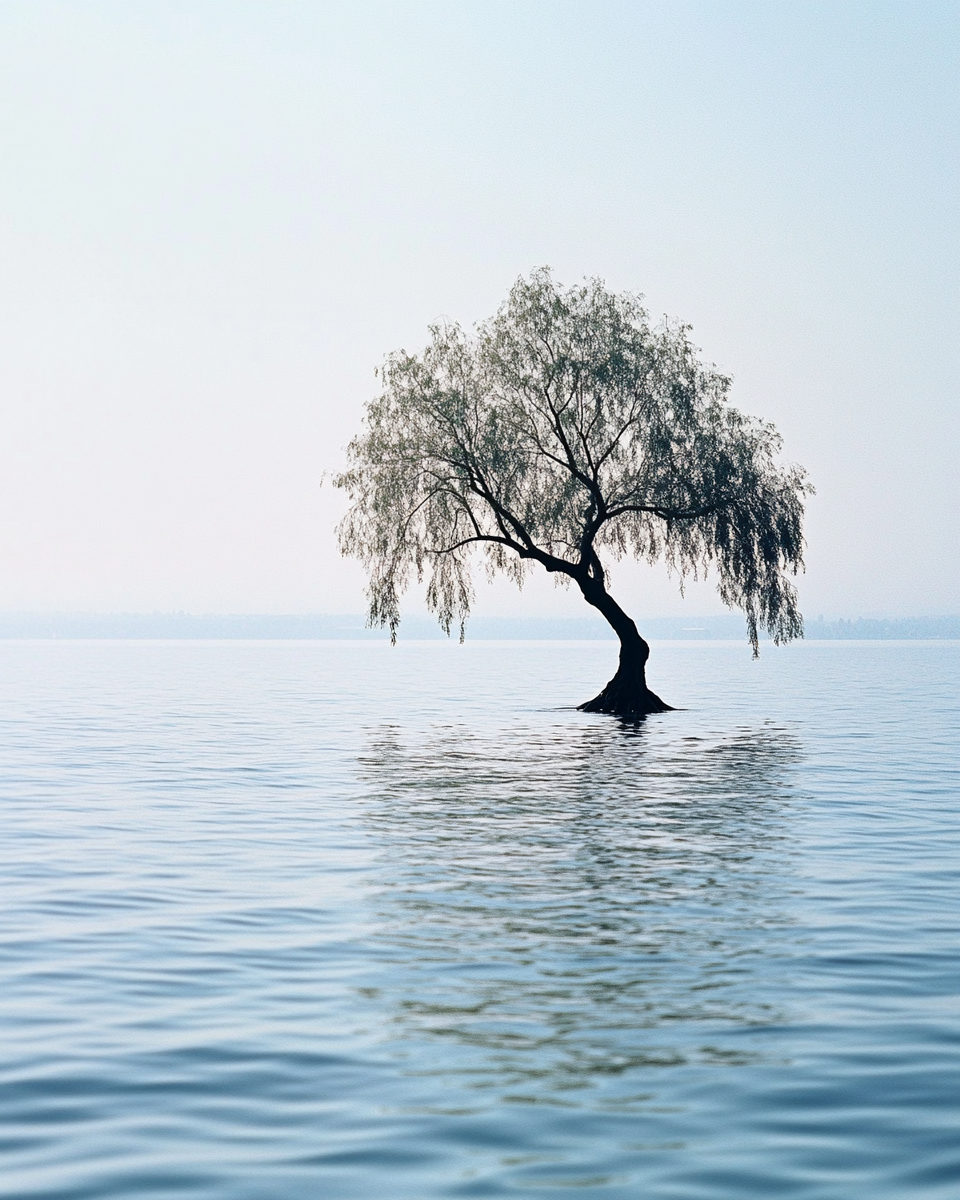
[{"x": 568, "y": 431}]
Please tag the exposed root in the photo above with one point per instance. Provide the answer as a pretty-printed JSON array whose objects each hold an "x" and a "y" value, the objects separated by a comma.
[{"x": 625, "y": 698}]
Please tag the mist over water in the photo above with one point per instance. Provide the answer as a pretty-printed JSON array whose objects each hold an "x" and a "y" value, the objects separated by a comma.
[{"x": 331, "y": 919}]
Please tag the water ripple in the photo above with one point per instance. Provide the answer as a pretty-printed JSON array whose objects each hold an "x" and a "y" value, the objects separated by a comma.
[{"x": 300, "y": 920}]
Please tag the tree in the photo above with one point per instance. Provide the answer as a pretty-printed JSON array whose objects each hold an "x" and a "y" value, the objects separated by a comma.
[{"x": 566, "y": 432}]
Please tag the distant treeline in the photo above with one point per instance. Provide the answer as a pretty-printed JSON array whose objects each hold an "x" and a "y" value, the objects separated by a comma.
[
  {"x": 867, "y": 629},
  {"x": 185, "y": 626}
]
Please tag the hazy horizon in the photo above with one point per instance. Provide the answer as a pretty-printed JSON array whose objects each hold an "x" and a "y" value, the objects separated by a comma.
[
  {"x": 216, "y": 219},
  {"x": 421, "y": 613}
]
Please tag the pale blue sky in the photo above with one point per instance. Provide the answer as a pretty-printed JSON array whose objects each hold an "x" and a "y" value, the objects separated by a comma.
[{"x": 215, "y": 219}]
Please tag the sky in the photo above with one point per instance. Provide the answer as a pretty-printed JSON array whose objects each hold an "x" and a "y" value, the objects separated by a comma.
[{"x": 216, "y": 218}]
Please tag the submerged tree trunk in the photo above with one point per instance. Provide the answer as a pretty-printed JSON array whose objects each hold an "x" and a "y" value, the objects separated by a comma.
[{"x": 627, "y": 694}]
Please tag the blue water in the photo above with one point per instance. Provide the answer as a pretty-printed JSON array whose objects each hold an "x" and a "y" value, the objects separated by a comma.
[{"x": 331, "y": 920}]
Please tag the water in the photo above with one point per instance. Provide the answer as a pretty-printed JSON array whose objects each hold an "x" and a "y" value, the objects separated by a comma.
[{"x": 331, "y": 920}]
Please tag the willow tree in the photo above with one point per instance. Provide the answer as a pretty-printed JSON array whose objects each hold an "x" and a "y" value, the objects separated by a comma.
[{"x": 566, "y": 432}]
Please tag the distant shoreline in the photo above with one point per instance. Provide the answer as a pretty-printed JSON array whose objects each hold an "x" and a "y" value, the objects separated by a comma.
[{"x": 184, "y": 626}]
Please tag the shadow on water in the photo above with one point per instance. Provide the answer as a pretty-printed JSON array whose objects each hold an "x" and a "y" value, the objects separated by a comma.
[{"x": 570, "y": 906}]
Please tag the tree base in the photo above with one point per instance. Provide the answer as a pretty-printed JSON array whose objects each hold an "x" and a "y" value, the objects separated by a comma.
[
  {"x": 626, "y": 695},
  {"x": 625, "y": 700}
]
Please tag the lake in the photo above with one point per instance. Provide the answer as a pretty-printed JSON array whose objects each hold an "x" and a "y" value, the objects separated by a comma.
[{"x": 331, "y": 920}]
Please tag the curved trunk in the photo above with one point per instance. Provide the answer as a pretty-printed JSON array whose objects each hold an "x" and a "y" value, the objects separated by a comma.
[{"x": 627, "y": 694}]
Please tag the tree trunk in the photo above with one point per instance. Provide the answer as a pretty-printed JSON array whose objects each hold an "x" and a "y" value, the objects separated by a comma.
[{"x": 627, "y": 694}]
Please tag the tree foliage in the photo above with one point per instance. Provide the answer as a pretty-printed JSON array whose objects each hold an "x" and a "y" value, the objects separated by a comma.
[{"x": 568, "y": 431}]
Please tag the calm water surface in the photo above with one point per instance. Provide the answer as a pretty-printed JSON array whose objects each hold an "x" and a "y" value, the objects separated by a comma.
[{"x": 331, "y": 920}]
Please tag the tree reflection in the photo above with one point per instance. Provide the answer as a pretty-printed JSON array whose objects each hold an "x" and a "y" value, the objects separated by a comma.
[{"x": 567, "y": 904}]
